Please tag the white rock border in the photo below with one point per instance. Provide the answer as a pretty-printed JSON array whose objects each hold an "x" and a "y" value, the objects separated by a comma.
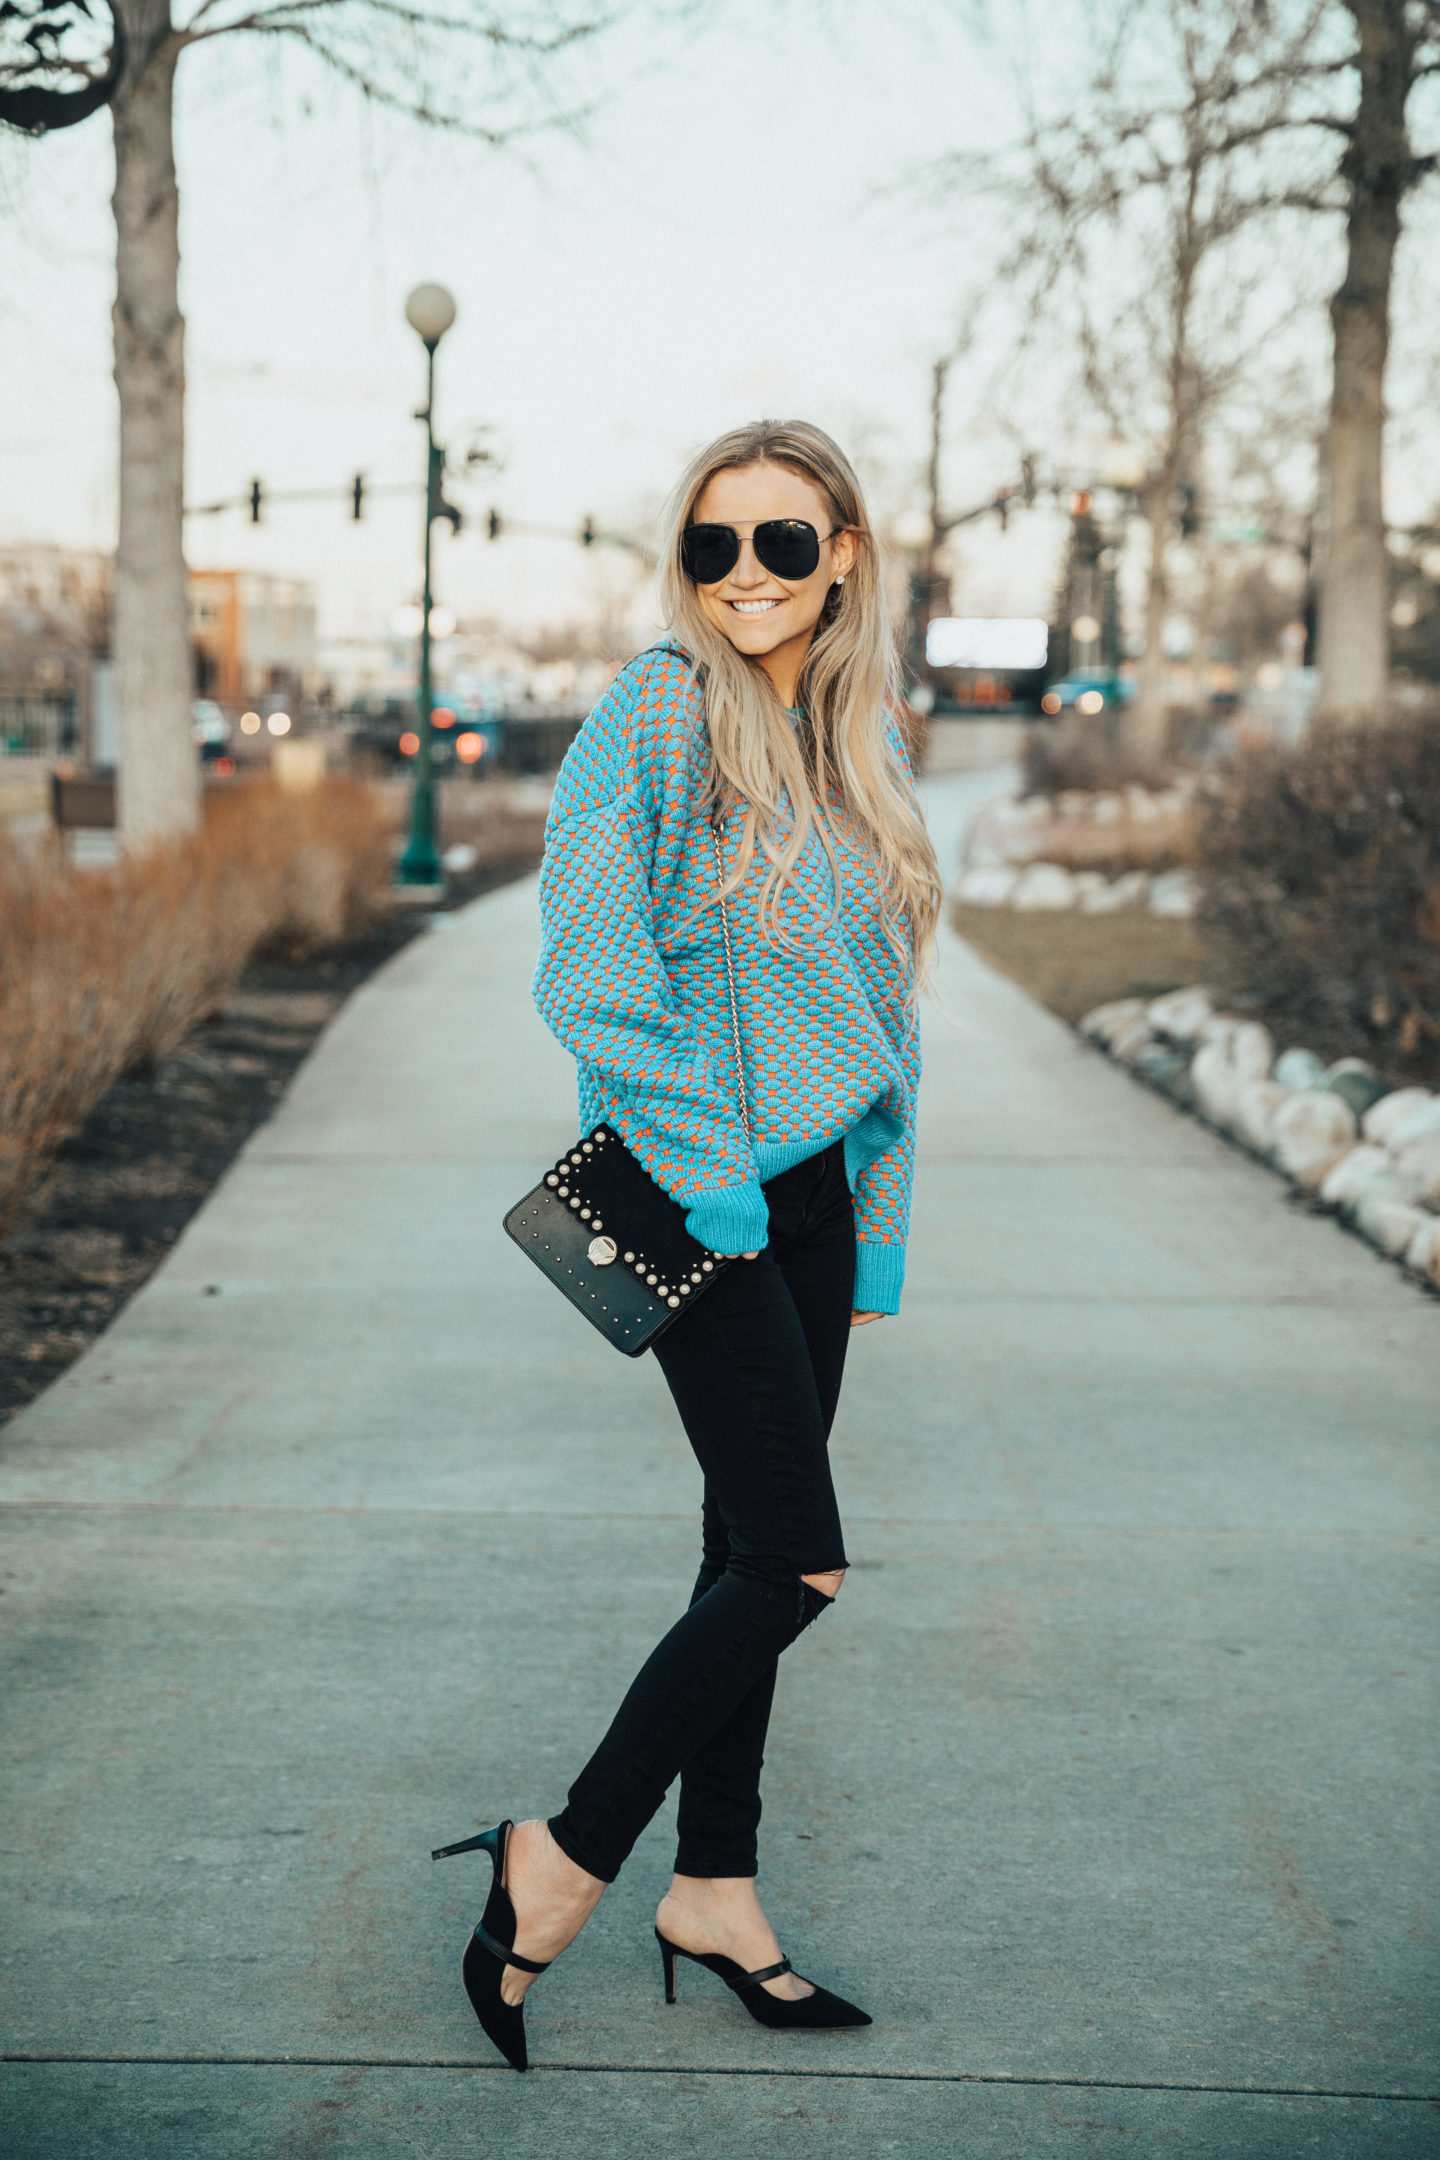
[{"x": 1367, "y": 1153}]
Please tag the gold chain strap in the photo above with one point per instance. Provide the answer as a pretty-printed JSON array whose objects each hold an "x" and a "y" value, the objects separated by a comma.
[{"x": 730, "y": 979}]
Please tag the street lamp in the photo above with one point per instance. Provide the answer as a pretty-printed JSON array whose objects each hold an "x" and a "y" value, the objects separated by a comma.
[{"x": 429, "y": 311}]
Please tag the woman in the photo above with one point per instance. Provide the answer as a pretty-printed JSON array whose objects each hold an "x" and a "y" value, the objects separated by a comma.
[{"x": 765, "y": 724}]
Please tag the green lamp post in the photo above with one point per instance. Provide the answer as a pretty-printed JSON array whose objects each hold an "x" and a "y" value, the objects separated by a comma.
[{"x": 429, "y": 311}]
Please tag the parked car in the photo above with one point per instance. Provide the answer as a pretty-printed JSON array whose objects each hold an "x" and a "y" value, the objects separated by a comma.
[
  {"x": 211, "y": 730},
  {"x": 1088, "y": 690}
]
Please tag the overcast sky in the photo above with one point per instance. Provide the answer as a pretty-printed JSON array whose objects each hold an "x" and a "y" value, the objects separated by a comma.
[{"x": 723, "y": 246}]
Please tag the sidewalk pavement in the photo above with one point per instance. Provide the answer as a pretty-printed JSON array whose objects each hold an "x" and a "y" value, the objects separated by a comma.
[{"x": 1109, "y": 1787}]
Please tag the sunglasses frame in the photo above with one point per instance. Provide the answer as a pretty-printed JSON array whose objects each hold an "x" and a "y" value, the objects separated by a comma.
[{"x": 711, "y": 525}]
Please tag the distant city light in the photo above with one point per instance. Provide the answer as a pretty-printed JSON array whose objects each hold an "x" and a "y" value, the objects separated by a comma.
[
  {"x": 1051, "y": 702},
  {"x": 1085, "y": 628},
  {"x": 1089, "y": 701},
  {"x": 279, "y": 723},
  {"x": 409, "y": 743},
  {"x": 986, "y": 641},
  {"x": 469, "y": 748},
  {"x": 250, "y": 723},
  {"x": 224, "y": 765},
  {"x": 442, "y": 622},
  {"x": 441, "y": 716},
  {"x": 407, "y": 622}
]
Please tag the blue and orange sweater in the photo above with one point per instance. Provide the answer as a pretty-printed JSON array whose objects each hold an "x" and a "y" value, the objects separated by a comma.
[{"x": 632, "y": 980}]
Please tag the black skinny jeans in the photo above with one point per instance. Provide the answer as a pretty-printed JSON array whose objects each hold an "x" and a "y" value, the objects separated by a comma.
[{"x": 755, "y": 1371}]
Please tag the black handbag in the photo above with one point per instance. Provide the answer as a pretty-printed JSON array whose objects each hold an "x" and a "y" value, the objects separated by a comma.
[{"x": 611, "y": 1239}]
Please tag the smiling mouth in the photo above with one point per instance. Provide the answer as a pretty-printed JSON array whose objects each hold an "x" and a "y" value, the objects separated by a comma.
[{"x": 754, "y": 607}]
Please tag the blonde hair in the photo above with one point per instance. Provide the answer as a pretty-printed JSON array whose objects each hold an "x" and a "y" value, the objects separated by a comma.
[{"x": 839, "y": 774}]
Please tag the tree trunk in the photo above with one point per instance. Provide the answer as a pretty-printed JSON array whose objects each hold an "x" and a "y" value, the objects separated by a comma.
[
  {"x": 159, "y": 773},
  {"x": 1354, "y": 605},
  {"x": 1144, "y": 724}
]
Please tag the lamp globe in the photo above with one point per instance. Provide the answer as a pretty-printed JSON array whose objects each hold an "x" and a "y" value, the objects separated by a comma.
[{"x": 430, "y": 310}]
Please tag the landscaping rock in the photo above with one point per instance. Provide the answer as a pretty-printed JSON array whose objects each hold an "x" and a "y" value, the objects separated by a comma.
[
  {"x": 1252, "y": 1051},
  {"x": 1181, "y": 1014},
  {"x": 1121, "y": 892},
  {"x": 1173, "y": 893},
  {"x": 988, "y": 885},
  {"x": 1107, "y": 1020},
  {"x": 1416, "y": 1165},
  {"x": 1215, "y": 1082},
  {"x": 1044, "y": 885},
  {"x": 1387, "y": 1219},
  {"x": 1127, "y": 1042},
  {"x": 1420, "y": 1122},
  {"x": 1385, "y": 1118},
  {"x": 1343, "y": 1184},
  {"x": 1164, "y": 1067},
  {"x": 1299, "y": 1069},
  {"x": 1356, "y": 1083},
  {"x": 1423, "y": 1251},
  {"x": 1257, "y": 1105},
  {"x": 1310, "y": 1134}
]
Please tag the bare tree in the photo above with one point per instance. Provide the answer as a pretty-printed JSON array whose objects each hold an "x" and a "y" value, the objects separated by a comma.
[
  {"x": 1126, "y": 214},
  {"x": 1159, "y": 171},
  {"x": 61, "y": 61}
]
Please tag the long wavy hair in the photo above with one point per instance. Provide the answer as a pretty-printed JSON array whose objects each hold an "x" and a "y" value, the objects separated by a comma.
[{"x": 838, "y": 773}]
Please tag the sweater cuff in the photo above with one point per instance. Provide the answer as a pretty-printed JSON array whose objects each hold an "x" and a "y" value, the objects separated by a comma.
[
  {"x": 879, "y": 1274},
  {"x": 729, "y": 1218}
]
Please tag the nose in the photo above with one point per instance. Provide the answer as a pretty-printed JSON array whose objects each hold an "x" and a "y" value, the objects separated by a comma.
[{"x": 749, "y": 571}]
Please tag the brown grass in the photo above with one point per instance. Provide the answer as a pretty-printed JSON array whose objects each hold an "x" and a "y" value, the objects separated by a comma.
[
  {"x": 102, "y": 971},
  {"x": 1072, "y": 962}
]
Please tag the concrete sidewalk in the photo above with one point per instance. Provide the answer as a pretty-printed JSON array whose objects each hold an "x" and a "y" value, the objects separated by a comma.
[{"x": 1109, "y": 1788}]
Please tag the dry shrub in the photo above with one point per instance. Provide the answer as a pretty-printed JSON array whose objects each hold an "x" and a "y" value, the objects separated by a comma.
[
  {"x": 101, "y": 971},
  {"x": 1075, "y": 753},
  {"x": 1320, "y": 889}
]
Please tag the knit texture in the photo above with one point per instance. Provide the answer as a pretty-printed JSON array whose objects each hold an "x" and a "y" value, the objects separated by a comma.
[{"x": 632, "y": 980}]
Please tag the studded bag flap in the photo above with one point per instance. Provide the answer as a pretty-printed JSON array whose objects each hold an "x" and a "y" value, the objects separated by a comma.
[{"x": 611, "y": 1239}]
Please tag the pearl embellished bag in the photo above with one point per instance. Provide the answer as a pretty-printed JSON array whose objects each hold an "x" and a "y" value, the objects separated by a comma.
[{"x": 611, "y": 1239}]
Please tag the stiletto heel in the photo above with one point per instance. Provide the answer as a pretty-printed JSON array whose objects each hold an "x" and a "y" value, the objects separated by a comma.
[
  {"x": 821, "y": 2011},
  {"x": 491, "y": 1948}
]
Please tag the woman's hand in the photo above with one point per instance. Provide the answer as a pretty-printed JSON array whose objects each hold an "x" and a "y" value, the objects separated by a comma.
[{"x": 863, "y": 1319}]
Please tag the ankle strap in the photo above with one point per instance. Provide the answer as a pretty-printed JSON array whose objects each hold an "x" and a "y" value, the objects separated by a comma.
[
  {"x": 766, "y": 1972},
  {"x": 507, "y": 1956}
]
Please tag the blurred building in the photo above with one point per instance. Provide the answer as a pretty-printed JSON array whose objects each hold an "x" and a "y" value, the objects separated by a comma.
[
  {"x": 54, "y": 649},
  {"x": 254, "y": 637}
]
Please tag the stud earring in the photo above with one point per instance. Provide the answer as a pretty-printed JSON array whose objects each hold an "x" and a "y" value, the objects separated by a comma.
[{"x": 841, "y": 579}]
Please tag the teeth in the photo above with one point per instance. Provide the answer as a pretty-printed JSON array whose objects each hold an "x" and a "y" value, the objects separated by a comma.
[{"x": 753, "y": 607}]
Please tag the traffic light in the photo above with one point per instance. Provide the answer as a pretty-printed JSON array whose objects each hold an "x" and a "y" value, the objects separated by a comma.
[
  {"x": 357, "y": 496},
  {"x": 255, "y": 499},
  {"x": 587, "y": 533},
  {"x": 494, "y": 526}
]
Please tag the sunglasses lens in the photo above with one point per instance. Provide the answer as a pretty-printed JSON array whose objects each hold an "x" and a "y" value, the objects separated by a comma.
[
  {"x": 708, "y": 552},
  {"x": 787, "y": 548}
]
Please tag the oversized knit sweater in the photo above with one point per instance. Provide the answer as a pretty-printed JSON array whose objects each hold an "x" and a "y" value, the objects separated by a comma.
[{"x": 632, "y": 979}]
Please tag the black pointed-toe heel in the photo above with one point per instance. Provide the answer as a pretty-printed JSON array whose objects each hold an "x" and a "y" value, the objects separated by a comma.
[
  {"x": 491, "y": 1948},
  {"x": 820, "y": 2012}
]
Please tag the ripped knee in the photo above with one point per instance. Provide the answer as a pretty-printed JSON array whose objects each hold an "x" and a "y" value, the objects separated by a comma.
[
  {"x": 817, "y": 1594},
  {"x": 827, "y": 1584}
]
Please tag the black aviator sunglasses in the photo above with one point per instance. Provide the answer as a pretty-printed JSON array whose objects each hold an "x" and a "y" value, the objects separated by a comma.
[{"x": 788, "y": 548}]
